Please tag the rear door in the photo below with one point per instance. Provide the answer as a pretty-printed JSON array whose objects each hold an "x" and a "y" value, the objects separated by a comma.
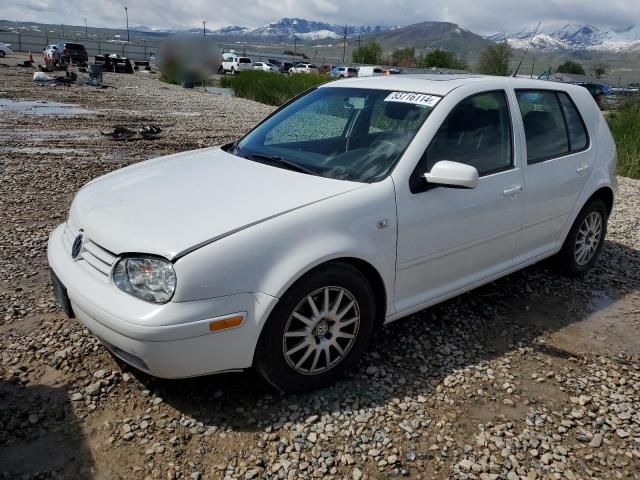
[{"x": 559, "y": 159}]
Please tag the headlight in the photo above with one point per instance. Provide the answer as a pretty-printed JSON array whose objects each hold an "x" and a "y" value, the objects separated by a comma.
[{"x": 151, "y": 279}]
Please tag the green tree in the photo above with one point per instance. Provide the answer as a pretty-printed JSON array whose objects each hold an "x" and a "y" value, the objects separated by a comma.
[
  {"x": 404, "y": 57},
  {"x": 495, "y": 59},
  {"x": 442, "y": 59},
  {"x": 369, "y": 53},
  {"x": 600, "y": 70},
  {"x": 571, "y": 67}
]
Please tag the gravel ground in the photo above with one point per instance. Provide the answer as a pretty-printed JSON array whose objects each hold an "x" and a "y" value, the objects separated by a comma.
[{"x": 534, "y": 376}]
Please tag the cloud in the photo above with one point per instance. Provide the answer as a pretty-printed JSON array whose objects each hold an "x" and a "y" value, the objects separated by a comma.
[{"x": 482, "y": 16}]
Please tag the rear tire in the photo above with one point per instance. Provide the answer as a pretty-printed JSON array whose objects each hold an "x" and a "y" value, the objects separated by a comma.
[
  {"x": 2, "y": 54},
  {"x": 585, "y": 240},
  {"x": 319, "y": 328}
]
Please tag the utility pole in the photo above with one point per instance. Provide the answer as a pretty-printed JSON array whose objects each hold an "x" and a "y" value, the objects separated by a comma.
[
  {"x": 126, "y": 14},
  {"x": 62, "y": 30},
  {"x": 86, "y": 32},
  {"x": 359, "y": 51},
  {"x": 204, "y": 29},
  {"x": 344, "y": 45},
  {"x": 533, "y": 64},
  {"x": 295, "y": 46}
]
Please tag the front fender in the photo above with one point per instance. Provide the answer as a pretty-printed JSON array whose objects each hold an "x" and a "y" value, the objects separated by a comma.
[{"x": 269, "y": 257}]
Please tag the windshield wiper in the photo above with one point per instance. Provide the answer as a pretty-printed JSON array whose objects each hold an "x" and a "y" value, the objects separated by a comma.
[{"x": 281, "y": 162}]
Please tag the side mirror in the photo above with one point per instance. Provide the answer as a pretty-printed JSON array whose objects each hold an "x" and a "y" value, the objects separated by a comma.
[{"x": 452, "y": 174}]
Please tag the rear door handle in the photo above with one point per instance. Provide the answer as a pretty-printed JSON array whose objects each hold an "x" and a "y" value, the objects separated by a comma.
[
  {"x": 581, "y": 169},
  {"x": 511, "y": 191}
]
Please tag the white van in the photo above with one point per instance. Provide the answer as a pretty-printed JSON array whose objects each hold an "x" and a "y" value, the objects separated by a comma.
[{"x": 369, "y": 71}]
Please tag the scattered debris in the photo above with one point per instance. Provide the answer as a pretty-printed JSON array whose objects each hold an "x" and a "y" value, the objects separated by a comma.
[
  {"x": 41, "y": 77},
  {"x": 150, "y": 132},
  {"x": 120, "y": 133}
]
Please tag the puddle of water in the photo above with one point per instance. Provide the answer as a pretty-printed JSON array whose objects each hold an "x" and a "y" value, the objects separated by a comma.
[
  {"x": 31, "y": 107},
  {"x": 609, "y": 327}
]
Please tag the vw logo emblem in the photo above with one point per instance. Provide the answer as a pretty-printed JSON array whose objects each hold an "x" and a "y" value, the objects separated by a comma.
[{"x": 76, "y": 248}]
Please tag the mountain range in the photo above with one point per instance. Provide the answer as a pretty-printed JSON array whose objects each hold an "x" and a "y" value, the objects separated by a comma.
[
  {"x": 574, "y": 37},
  {"x": 552, "y": 38},
  {"x": 289, "y": 28}
]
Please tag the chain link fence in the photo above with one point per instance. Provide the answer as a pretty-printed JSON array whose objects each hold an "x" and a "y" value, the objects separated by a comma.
[{"x": 35, "y": 43}]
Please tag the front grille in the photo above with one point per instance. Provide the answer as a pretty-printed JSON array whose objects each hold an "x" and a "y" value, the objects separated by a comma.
[{"x": 93, "y": 257}]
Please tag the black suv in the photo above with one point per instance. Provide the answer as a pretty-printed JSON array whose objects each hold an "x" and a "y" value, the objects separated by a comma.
[{"x": 72, "y": 53}]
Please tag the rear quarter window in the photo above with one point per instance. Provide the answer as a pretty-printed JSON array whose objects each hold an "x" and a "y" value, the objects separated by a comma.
[{"x": 578, "y": 139}]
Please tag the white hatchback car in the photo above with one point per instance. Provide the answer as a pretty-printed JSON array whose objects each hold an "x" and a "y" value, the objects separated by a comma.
[{"x": 356, "y": 204}]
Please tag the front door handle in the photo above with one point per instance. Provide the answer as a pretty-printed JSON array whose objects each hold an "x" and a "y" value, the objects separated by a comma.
[
  {"x": 511, "y": 191},
  {"x": 581, "y": 169}
]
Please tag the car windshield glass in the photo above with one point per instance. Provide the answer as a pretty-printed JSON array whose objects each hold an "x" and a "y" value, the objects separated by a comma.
[{"x": 343, "y": 133}]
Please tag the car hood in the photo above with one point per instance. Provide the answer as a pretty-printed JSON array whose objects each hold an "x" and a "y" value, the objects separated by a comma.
[{"x": 172, "y": 205}]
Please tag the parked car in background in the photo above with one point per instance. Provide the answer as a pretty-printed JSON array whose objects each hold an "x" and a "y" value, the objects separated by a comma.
[
  {"x": 274, "y": 62},
  {"x": 598, "y": 92},
  {"x": 325, "y": 69},
  {"x": 5, "y": 50},
  {"x": 265, "y": 67},
  {"x": 66, "y": 53},
  {"x": 303, "y": 68},
  {"x": 344, "y": 72},
  {"x": 369, "y": 71},
  {"x": 285, "y": 67},
  {"x": 235, "y": 64},
  {"x": 363, "y": 201}
]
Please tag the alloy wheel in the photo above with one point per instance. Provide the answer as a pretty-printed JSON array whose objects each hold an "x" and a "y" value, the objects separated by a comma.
[
  {"x": 588, "y": 238},
  {"x": 321, "y": 330}
]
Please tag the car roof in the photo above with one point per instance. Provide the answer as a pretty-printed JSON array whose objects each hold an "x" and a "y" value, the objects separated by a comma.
[{"x": 436, "y": 84}]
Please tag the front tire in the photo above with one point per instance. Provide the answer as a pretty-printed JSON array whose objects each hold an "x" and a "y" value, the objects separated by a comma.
[
  {"x": 318, "y": 329},
  {"x": 2, "y": 54},
  {"x": 585, "y": 240}
]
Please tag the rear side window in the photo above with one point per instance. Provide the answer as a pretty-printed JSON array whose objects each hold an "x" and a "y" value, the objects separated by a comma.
[
  {"x": 477, "y": 132},
  {"x": 578, "y": 139},
  {"x": 543, "y": 125},
  {"x": 552, "y": 124}
]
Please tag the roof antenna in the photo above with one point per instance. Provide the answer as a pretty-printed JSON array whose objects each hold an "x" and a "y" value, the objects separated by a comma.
[{"x": 527, "y": 49}]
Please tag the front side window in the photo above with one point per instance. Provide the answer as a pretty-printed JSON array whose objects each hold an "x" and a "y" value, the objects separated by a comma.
[
  {"x": 544, "y": 125},
  {"x": 477, "y": 132},
  {"x": 343, "y": 133}
]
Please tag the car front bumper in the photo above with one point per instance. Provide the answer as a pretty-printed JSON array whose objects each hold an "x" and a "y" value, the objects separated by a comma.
[{"x": 169, "y": 341}]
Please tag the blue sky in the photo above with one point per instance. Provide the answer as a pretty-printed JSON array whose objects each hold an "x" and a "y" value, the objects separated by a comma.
[{"x": 482, "y": 16}]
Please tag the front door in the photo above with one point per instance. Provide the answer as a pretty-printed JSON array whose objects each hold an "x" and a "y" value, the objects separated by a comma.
[{"x": 450, "y": 238}]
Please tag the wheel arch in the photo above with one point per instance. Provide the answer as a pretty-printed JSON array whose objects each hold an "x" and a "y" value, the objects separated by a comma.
[
  {"x": 370, "y": 272},
  {"x": 606, "y": 195}
]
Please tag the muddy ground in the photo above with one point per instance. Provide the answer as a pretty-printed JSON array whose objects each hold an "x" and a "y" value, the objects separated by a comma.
[{"x": 532, "y": 376}]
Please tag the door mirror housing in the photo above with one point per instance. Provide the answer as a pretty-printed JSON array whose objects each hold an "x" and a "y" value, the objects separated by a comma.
[{"x": 452, "y": 174}]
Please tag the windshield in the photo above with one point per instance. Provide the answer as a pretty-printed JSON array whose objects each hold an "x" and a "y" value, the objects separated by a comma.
[{"x": 343, "y": 133}]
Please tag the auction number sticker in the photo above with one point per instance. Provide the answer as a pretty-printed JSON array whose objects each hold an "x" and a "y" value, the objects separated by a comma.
[{"x": 415, "y": 98}]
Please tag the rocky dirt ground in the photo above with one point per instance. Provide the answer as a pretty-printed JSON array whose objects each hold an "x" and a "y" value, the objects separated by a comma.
[{"x": 534, "y": 376}]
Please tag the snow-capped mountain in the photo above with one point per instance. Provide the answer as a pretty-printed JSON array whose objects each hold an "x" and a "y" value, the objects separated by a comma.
[
  {"x": 573, "y": 37},
  {"x": 299, "y": 28}
]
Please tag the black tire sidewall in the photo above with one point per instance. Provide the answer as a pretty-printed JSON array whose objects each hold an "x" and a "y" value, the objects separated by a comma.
[
  {"x": 567, "y": 257},
  {"x": 269, "y": 359}
]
